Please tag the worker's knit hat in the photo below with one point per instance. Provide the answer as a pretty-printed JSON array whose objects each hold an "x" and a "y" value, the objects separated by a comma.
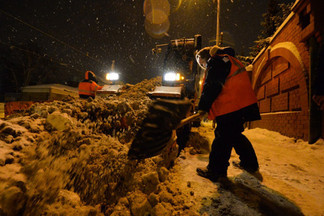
[
  {"x": 221, "y": 50},
  {"x": 89, "y": 75},
  {"x": 213, "y": 50}
]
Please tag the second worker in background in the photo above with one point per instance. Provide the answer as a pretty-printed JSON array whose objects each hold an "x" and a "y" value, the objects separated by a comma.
[{"x": 89, "y": 86}]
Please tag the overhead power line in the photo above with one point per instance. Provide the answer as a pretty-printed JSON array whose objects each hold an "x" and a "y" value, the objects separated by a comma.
[
  {"x": 42, "y": 56},
  {"x": 69, "y": 66},
  {"x": 52, "y": 37}
]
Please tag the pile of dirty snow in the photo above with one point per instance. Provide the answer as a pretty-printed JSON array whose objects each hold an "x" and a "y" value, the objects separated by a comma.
[{"x": 70, "y": 157}]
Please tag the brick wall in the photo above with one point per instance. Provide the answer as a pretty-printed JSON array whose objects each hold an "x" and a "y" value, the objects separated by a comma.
[
  {"x": 280, "y": 79},
  {"x": 279, "y": 97}
]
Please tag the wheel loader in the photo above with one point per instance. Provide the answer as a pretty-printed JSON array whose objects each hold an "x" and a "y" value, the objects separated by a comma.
[
  {"x": 181, "y": 72},
  {"x": 174, "y": 110}
]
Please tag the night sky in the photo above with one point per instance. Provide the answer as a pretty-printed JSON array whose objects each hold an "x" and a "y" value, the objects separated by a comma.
[{"x": 89, "y": 34}]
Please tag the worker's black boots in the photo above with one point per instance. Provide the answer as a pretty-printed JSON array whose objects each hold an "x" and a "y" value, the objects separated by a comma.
[
  {"x": 255, "y": 172},
  {"x": 213, "y": 176},
  {"x": 237, "y": 164}
]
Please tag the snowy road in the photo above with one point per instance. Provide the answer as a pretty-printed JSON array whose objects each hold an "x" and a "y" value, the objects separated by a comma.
[{"x": 291, "y": 169}]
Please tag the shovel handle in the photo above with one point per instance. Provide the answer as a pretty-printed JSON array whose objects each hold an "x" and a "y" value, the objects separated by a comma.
[{"x": 189, "y": 119}]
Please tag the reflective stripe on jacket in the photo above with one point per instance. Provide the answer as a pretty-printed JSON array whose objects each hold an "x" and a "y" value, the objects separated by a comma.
[
  {"x": 88, "y": 87},
  {"x": 237, "y": 91}
]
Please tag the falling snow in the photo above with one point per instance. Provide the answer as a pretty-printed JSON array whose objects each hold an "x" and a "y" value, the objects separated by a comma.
[{"x": 112, "y": 30}]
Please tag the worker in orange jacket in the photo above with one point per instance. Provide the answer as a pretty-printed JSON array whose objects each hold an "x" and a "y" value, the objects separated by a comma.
[
  {"x": 88, "y": 87},
  {"x": 227, "y": 96}
]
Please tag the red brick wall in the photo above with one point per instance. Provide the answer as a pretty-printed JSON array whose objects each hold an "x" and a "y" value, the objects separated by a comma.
[
  {"x": 280, "y": 79},
  {"x": 285, "y": 123},
  {"x": 279, "y": 97}
]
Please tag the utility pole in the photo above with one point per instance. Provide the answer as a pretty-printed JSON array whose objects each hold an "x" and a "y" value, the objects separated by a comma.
[{"x": 217, "y": 24}]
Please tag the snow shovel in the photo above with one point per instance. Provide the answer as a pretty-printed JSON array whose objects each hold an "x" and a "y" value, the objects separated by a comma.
[{"x": 157, "y": 128}]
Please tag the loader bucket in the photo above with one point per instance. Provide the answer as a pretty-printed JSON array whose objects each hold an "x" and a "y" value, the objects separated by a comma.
[
  {"x": 166, "y": 92},
  {"x": 156, "y": 130},
  {"x": 110, "y": 89}
]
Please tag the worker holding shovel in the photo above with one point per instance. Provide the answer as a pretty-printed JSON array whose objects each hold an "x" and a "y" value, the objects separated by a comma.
[{"x": 228, "y": 98}]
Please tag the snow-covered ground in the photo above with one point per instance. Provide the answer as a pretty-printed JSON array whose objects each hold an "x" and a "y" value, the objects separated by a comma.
[{"x": 291, "y": 169}]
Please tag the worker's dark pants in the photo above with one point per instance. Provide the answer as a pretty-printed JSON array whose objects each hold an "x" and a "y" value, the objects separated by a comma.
[
  {"x": 86, "y": 96},
  {"x": 228, "y": 134}
]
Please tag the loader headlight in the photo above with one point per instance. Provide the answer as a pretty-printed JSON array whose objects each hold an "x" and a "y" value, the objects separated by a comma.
[
  {"x": 112, "y": 76},
  {"x": 172, "y": 76}
]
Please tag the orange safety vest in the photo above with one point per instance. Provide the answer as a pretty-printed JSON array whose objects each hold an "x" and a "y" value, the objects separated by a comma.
[
  {"x": 89, "y": 88},
  {"x": 237, "y": 91}
]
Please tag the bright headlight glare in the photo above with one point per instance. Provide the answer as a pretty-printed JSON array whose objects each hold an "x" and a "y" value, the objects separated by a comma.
[
  {"x": 112, "y": 76},
  {"x": 171, "y": 76},
  {"x": 178, "y": 77}
]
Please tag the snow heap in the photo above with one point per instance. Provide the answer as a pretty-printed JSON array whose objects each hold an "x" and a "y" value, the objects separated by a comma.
[
  {"x": 139, "y": 90},
  {"x": 70, "y": 157}
]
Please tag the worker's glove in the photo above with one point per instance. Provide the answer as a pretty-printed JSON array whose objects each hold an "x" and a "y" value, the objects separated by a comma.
[{"x": 203, "y": 113}]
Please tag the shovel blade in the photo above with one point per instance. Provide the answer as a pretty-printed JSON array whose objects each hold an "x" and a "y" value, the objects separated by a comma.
[{"x": 156, "y": 130}]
